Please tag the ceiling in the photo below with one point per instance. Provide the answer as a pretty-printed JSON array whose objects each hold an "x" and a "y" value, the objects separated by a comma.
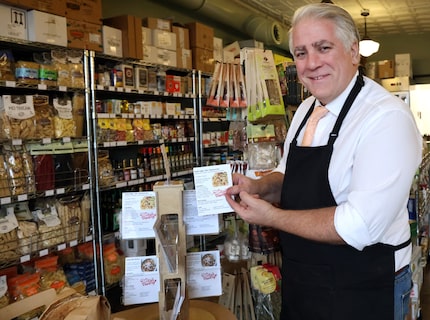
[{"x": 386, "y": 16}]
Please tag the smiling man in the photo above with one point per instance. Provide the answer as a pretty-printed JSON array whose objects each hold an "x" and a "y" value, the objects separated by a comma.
[{"x": 343, "y": 196}]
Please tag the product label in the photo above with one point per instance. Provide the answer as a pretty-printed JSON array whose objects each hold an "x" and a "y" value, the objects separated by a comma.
[
  {"x": 18, "y": 107},
  {"x": 64, "y": 108}
]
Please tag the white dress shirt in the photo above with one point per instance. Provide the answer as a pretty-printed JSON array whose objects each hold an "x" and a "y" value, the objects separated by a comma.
[{"x": 375, "y": 156}]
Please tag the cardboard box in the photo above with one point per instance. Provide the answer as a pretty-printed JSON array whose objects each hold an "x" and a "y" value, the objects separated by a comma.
[
  {"x": 84, "y": 35},
  {"x": 166, "y": 57},
  {"x": 372, "y": 70},
  {"x": 403, "y": 65},
  {"x": 396, "y": 84},
  {"x": 201, "y": 36},
  {"x": 164, "y": 39},
  {"x": 182, "y": 37},
  {"x": 85, "y": 10},
  {"x": 157, "y": 23},
  {"x": 184, "y": 58},
  {"x": 203, "y": 60},
  {"x": 50, "y": 6},
  {"x": 251, "y": 43},
  {"x": 146, "y": 36},
  {"x": 131, "y": 28},
  {"x": 218, "y": 49},
  {"x": 13, "y": 22},
  {"x": 112, "y": 41},
  {"x": 233, "y": 48},
  {"x": 385, "y": 69},
  {"x": 150, "y": 54},
  {"x": 47, "y": 28}
]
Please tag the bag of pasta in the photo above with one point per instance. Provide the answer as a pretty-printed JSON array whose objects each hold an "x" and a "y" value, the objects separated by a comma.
[
  {"x": 15, "y": 170},
  {"x": 63, "y": 120},
  {"x": 51, "y": 232},
  {"x": 51, "y": 274},
  {"x": 44, "y": 117},
  {"x": 8, "y": 233},
  {"x": 17, "y": 117},
  {"x": 70, "y": 214}
]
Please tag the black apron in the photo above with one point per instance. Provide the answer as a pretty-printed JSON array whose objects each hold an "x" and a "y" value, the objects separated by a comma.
[{"x": 325, "y": 281}]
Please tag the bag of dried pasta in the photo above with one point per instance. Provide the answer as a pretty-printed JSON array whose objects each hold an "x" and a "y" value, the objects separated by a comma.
[{"x": 17, "y": 117}]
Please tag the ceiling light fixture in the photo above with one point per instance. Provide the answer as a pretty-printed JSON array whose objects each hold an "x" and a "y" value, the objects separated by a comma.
[{"x": 367, "y": 45}]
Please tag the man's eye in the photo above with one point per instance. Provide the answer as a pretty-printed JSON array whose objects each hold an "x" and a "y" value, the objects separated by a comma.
[
  {"x": 324, "y": 48},
  {"x": 300, "y": 54}
]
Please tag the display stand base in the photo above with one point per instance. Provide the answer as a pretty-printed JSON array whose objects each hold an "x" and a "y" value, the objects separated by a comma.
[{"x": 199, "y": 309}]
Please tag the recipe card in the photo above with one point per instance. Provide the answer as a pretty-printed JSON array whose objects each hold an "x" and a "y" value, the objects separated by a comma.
[
  {"x": 141, "y": 280},
  {"x": 195, "y": 224},
  {"x": 210, "y": 184},
  {"x": 139, "y": 212},
  {"x": 204, "y": 274}
]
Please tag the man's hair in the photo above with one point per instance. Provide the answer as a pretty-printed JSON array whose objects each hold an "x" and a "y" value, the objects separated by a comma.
[{"x": 346, "y": 30}]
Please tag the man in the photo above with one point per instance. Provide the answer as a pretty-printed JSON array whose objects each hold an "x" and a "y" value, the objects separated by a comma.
[{"x": 343, "y": 200}]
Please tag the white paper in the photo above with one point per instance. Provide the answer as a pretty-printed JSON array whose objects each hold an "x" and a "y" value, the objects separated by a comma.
[
  {"x": 204, "y": 274},
  {"x": 210, "y": 184},
  {"x": 195, "y": 224},
  {"x": 141, "y": 280},
  {"x": 139, "y": 212}
]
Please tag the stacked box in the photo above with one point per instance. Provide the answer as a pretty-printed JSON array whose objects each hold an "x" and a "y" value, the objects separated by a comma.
[
  {"x": 157, "y": 23},
  {"x": 13, "y": 22},
  {"x": 131, "y": 28},
  {"x": 385, "y": 69},
  {"x": 112, "y": 41},
  {"x": 202, "y": 46},
  {"x": 49, "y": 6},
  {"x": 84, "y": 10},
  {"x": 84, "y": 35},
  {"x": 47, "y": 28},
  {"x": 403, "y": 65}
]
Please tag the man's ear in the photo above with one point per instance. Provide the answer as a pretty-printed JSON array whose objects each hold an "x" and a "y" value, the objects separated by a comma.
[{"x": 355, "y": 53}]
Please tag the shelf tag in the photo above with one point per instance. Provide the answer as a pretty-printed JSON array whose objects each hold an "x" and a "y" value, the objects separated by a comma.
[
  {"x": 61, "y": 247},
  {"x": 60, "y": 191},
  {"x": 6, "y": 200},
  {"x": 43, "y": 252},
  {"x": 25, "y": 258},
  {"x": 62, "y": 88},
  {"x": 11, "y": 84},
  {"x": 42, "y": 86},
  {"x": 73, "y": 243},
  {"x": 22, "y": 197}
]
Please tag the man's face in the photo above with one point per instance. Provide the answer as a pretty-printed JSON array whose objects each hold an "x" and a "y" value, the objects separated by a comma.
[{"x": 323, "y": 65}]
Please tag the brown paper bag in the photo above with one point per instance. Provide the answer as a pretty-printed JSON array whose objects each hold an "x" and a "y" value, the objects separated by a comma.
[{"x": 78, "y": 307}]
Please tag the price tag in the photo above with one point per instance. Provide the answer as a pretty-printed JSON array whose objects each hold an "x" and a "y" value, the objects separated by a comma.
[
  {"x": 60, "y": 191},
  {"x": 25, "y": 258},
  {"x": 6, "y": 200},
  {"x": 121, "y": 184},
  {"x": 66, "y": 139},
  {"x": 121, "y": 143},
  {"x": 62, "y": 88},
  {"x": 100, "y": 87},
  {"x": 128, "y": 90},
  {"x": 61, "y": 247},
  {"x": 49, "y": 193},
  {"x": 86, "y": 186},
  {"x": 43, "y": 252},
  {"x": 88, "y": 238},
  {"x": 73, "y": 243},
  {"x": 46, "y": 140},
  {"x": 11, "y": 84},
  {"x": 17, "y": 142},
  {"x": 22, "y": 197},
  {"x": 42, "y": 86},
  {"x": 111, "y": 88}
]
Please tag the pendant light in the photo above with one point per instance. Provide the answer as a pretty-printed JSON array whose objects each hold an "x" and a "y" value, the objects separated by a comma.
[{"x": 367, "y": 45}]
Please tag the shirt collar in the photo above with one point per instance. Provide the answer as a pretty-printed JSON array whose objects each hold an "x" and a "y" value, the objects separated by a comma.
[{"x": 336, "y": 105}]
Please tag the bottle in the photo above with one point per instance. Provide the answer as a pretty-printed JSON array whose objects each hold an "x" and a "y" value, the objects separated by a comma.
[
  {"x": 133, "y": 170},
  {"x": 126, "y": 170},
  {"x": 119, "y": 173},
  {"x": 153, "y": 161},
  {"x": 146, "y": 162},
  {"x": 140, "y": 168}
]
